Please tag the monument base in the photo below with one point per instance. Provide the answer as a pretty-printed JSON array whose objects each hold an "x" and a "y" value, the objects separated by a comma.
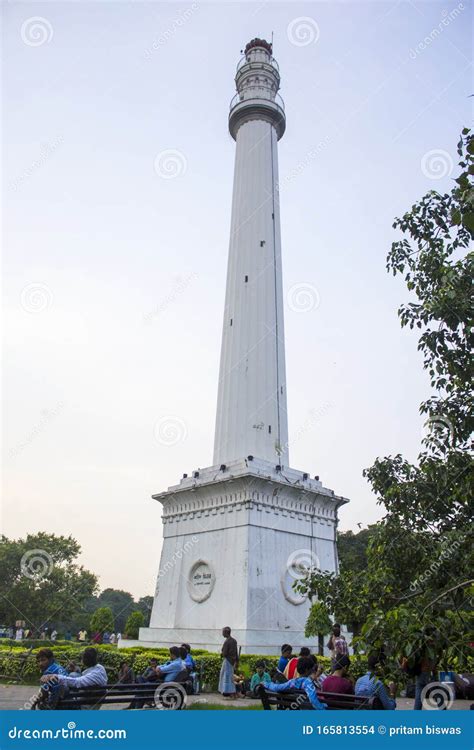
[
  {"x": 236, "y": 540},
  {"x": 258, "y": 642}
]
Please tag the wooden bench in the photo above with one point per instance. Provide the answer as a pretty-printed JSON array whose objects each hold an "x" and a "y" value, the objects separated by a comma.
[
  {"x": 297, "y": 700},
  {"x": 161, "y": 695}
]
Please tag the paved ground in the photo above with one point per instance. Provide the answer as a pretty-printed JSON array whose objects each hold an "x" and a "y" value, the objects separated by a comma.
[{"x": 18, "y": 697}]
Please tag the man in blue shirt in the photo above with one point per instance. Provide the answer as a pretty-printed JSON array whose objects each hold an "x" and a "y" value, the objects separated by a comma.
[
  {"x": 187, "y": 658},
  {"x": 165, "y": 673},
  {"x": 307, "y": 665},
  {"x": 285, "y": 657},
  {"x": 369, "y": 685},
  {"x": 49, "y": 694},
  {"x": 168, "y": 672}
]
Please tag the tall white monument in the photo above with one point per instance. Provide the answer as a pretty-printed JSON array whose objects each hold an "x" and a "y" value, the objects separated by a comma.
[{"x": 238, "y": 534}]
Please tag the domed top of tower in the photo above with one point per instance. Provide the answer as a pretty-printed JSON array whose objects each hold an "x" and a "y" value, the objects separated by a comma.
[{"x": 258, "y": 43}]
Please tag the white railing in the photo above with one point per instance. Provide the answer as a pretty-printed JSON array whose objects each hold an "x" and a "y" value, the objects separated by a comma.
[
  {"x": 238, "y": 99},
  {"x": 243, "y": 61}
]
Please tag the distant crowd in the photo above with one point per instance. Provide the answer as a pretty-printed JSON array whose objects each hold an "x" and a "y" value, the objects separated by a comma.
[{"x": 47, "y": 634}]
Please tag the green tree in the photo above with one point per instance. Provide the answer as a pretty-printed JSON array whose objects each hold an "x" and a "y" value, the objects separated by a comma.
[
  {"x": 318, "y": 623},
  {"x": 145, "y": 605},
  {"x": 102, "y": 620},
  {"x": 133, "y": 625},
  {"x": 352, "y": 549},
  {"x": 41, "y": 581},
  {"x": 419, "y": 557},
  {"x": 120, "y": 602}
]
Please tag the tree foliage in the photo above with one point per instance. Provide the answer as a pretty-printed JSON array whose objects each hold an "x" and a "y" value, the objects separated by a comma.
[
  {"x": 120, "y": 602},
  {"x": 41, "y": 581},
  {"x": 135, "y": 621},
  {"x": 419, "y": 556},
  {"x": 102, "y": 620},
  {"x": 352, "y": 549},
  {"x": 319, "y": 620}
]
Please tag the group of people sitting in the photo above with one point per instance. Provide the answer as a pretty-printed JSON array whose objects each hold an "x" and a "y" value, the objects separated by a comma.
[
  {"x": 56, "y": 680},
  {"x": 303, "y": 673},
  {"x": 293, "y": 672}
]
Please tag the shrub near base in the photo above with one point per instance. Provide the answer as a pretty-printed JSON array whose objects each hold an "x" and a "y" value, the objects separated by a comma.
[{"x": 208, "y": 664}]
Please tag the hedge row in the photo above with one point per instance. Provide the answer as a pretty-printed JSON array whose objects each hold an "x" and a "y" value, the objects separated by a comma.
[{"x": 18, "y": 663}]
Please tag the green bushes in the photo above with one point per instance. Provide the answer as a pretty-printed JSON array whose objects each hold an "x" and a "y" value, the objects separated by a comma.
[{"x": 18, "y": 663}]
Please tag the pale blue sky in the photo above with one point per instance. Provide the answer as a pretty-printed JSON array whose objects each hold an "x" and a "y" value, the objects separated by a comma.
[{"x": 131, "y": 266}]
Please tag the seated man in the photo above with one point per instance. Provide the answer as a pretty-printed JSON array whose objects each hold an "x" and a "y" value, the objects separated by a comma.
[
  {"x": 126, "y": 675},
  {"x": 285, "y": 657},
  {"x": 337, "y": 682},
  {"x": 187, "y": 658},
  {"x": 93, "y": 674},
  {"x": 259, "y": 677},
  {"x": 49, "y": 694},
  {"x": 190, "y": 665},
  {"x": 170, "y": 670},
  {"x": 167, "y": 672},
  {"x": 369, "y": 684},
  {"x": 307, "y": 666},
  {"x": 149, "y": 675}
]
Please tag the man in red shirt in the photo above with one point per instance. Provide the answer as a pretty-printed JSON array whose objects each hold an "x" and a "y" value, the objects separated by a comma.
[{"x": 337, "y": 682}]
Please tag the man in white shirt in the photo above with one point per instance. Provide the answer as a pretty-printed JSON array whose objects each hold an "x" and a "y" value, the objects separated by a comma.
[{"x": 93, "y": 674}]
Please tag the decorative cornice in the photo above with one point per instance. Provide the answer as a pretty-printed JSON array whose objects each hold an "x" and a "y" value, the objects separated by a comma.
[{"x": 303, "y": 509}]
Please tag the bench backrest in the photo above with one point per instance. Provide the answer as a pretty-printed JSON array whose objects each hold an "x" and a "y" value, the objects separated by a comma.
[
  {"x": 116, "y": 693},
  {"x": 297, "y": 700}
]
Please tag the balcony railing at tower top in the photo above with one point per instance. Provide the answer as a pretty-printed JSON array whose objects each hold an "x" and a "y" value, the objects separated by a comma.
[
  {"x": 243, "y": 61},
  {"x": 238, "y": 99}
]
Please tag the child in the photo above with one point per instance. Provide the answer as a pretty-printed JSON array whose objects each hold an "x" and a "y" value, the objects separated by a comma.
[
  {"x": 259, "y": 677},
  {"x": 239, "y": 682}
]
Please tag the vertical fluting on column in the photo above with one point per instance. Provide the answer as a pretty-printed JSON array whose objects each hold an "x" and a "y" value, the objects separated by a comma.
[{"x": 251, "y": 409}]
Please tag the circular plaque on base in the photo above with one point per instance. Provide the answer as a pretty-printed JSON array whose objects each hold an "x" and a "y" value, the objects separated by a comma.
[{"x": 201, "y": 580}]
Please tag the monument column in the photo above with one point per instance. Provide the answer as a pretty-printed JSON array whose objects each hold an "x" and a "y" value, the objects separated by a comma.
[
  {"x": 238, "y": 533},
  {"x": 251, "y": 406}
]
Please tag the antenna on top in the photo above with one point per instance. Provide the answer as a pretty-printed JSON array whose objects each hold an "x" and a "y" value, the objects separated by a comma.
[{"x": 272, "y": 42}]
